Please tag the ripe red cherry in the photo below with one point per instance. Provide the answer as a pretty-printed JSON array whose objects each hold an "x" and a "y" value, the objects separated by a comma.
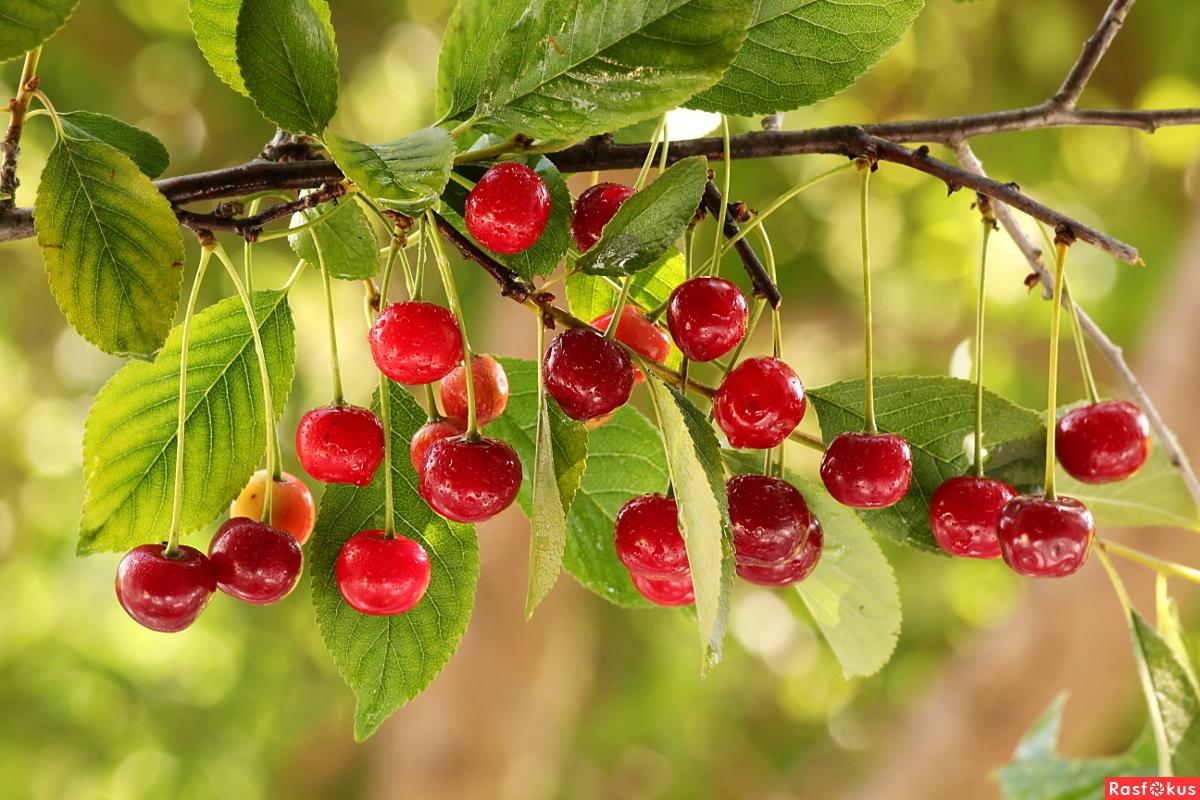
[
  {"x": 508, "y": 209},
  {"x": 594, "y": 208},
  {"x": 468, "y": 481},
  {"x": 963, "y": 513},
  {"x": 707, "y": 317},
  {"x": 429, "y": 433},
  {"x": 254, "y": 561},
  {"x": 769, "y": 519},
  {"x": 760, "y": 403},
  {"x": 416, "y": 343},
  {"x": 639, "y": 333},
  {"x": 340, "y": 444},
  {"x": 1104, "y": 442},
  {"x": 647, "y": 538},
  {"x": 796, "y": 569},
  {"x": 1044, "y": 538},
  {"x": 382, "y": 576},
  {"x": 665, "y": 593},
  {"x": 587, "y": 374},
  {"x": 294, "y": 510},
  {"x": 491, "y": 390},
  {"x": 867, "y": 470},
  {"x": 161, "y": 593}
]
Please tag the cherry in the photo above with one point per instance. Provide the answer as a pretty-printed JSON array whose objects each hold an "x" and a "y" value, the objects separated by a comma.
[
  {"x": 1104, "y": 442},
  {"x": 416, "y": 343},
  {"x": 647, "y": 538},
  {"x": 639, "y": 333},
  {"x": 769, "y": 519},
  {"x": 1045, "y": 538},
  {"x": 707, "y": 317},
  {"x": 508, "y": 209},
  {"x": 491, "y": 390},
  {"x": 469, "y": 481},
  {"x": 594, "y": 208},
  {"x": 760, "y": 403},
  {"x": 665, "y": 593},
  {"x": 340, "y": 444},
  {"x": 867, "y": 470},
  {"x": 381, "y": 576},
  {"x": 293, "y": 510},
  {"x": 428, "y": 434},
  {"x": 963, "y": 513},
  {"x": 254, "y": 561},
  {"x": 163, "y": 593},
  {"x": 796, "y": 569},
  {"x": 588, "y": 374}
]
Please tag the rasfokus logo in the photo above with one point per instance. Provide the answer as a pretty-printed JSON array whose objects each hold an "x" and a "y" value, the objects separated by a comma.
[{"x": 1151, "y": 787}]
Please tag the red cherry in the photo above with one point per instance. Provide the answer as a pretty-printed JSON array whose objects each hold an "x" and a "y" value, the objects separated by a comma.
[
  {"x": 594, "y": 208},
  {"x": 382, "y": 576},
  {"x": 254, "y": 561},
  {"x": 707, "y": 317},
  {"x": 665, "y": 593},
  {"x": 963, "y": 513},
  {"x": 647, "y": 538},
  {"x": 468, "y": 481},
  {"x": 1044, "y": 538},
  {"x": 294, "y": 510},
  {"x": 432, "y": 432},
  {"x": 1104, "y": 442},
  {"x": 491, "y": 390},
  {"x": 508, "y": 209},
  {"x": 760, "y": 403},
  {"x": 587, "y": 374},
  {"x": 769, "y": 519},
  {"x": 340, "y": 444},
  {"x": 162, "y": 593},
  {"x": 416, "y": 343},
  {"x": 791, "y": 572},
  {"x": 867, "y": 470},
  {"x": 639, "y": 333}
]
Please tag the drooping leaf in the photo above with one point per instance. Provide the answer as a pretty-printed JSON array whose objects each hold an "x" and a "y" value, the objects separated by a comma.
[
  {"x": 590, "y": 296},
  {"x": 347, "y": 240},
  {"x": 25, "y": 24},
  {"x": 1171, "y": 698},
  {"x": 129, "y": 443},
  {"x": 388, "y": 660},
  {"x": 111, "y": 245},
  {"x": 459, "y": 46},
  {"x": 143, "y": 147},
  {"x": 406, "y": 174}
]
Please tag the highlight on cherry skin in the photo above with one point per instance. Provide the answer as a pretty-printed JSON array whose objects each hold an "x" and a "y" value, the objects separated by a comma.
[
  {"x": 594, "y": 209},
  {"x": 491, "y": 390},
  {"x": 164, "y": 593},
  {"x": 1103, "y": 442},
  {"x": 668, "y": 593},
  {"x": 381, "y": 576},
  {"x": 427, "y": 434},
  {"x": 638, "y": 334},
  {"x": 340, "y": 444},
  {"x": 589, "y": 375},
  {"x": 759, "y": 403},
  {"x": 707, "y": 317},
  {"x": 508, "y": 209},
  {"x": 647, "y": 539},
  {"x": 415, "y": 342},
  {"x": 963, "y": 513},
  {"x": 1042, "y": 537},
  {"x": 293, "y": 511},
  {"x": 795, "y": 569},
  {"x": 255, "y": 562},
  {"x": 769, "y": 518},
  {"x": 867, "y": 470},
  {"x": 469, "y": 481}
]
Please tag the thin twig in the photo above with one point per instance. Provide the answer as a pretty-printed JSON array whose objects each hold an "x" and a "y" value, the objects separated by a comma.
[
  {"x": 1093, "y": 50},
  {"x": 764, "y": 287},
  {"x": 510, "y": 282},
  {"x": 250, "y": 227}
]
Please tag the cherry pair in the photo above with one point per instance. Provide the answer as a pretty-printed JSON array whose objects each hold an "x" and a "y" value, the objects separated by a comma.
[{"x": 777, "y": 541}]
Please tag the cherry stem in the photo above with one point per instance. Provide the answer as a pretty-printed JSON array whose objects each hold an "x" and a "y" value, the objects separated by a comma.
[
  {"x": 418, "y": 287},
  {"x": 248, "y": 250},
  {"x": 622, "y": 298},
  {"x": 1147, "y": 560},
  {"x": 660, "y": 134},
  {"x": 334, "y": 362},
  {"x": 726, "y": 174},
  {"x": 864, "y": 175},
  {"x": 683, "y": 375},
  {"x": 1118, "y": 584},
  {"x": 385, "y": 414},
  {"x": 1060, "y": 267},
  {"x": 1085, "y": 366},
  {"x": 439, "y": 255},
  {"x": 989, "y": 224},
  {"x": 776, "y": 321}
]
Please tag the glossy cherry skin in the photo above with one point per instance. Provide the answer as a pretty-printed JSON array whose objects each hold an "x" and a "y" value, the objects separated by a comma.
[
  {"x": 416, "y": 343},
  {"x": 760, "y": 403},
  {"x": 867, "y": 470},
  {"x": 963, "y": 513},
  {"x": 469, "y": 481},
  {"x": 640, "y": 334},
  {"x": 164, "y": 594},
  {"x": 508, "y": 209},
  {"x": 594, "y": 208},
  {"x": 647, "y": 538},
  {"x": 491, "y": 390},
  {"x": 794, "y": 570},
  {"x": 665, "y": 593},
  {"x": 254, "y": 561},
  {"x": 429, "y": 433},
  {"x": 707, "y": 317},
  {"x": 1044, "y": 538},
  {"x": 587, "y": 374},
  {"x": 1104, "y": 442},
  {"x": 340, "y": 444},
  {"x": 769, "y": 519},
  {"x": 294, "y": 510},
  {"x": 381, "y": 576}
]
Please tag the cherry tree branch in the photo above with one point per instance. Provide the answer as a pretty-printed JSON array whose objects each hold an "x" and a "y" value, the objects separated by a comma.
[
  {"x": 1093, "y": 50},
  {"x": 764, "y": 287},
  {"x": 224, "y": 218}
]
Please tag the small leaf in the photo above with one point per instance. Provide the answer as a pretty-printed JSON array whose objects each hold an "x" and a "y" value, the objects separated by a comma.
[
  {"x": 389, "y": 660},
  {"x": 28, "y": 23},
  {"x": 111, "y": 245},
  {"x": 1171, "y": 698},
  {"x": 459, "y": 46},
  {"x": 347, "y": 240},
  {"x": 144, "y": 148},
  {"x": 592, "y": 295},
  {"x": 406, "y": 174},
  {"x": 130, "y": 438}
]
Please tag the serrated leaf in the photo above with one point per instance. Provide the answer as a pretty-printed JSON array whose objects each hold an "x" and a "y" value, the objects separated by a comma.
[
  {"x": 801, "y": 51},
  {"x": 111, "y": 245},
  {"x": 649, "y": 222},
  {"x": 459, "y": 46},
  {"x": 589, "y": 296},
  {"x": 143, "y": 147},
  {"x": 25, "y": 24},
  {"x": 288, "y": 61},
  {"x": 1155, "y": 495},
  {"x": 130, "y": 438},
  {"x": 1171, "y": 698},
  {"x": 347, "y": 241},
  {"x": 389, "y": 660},
  {"x": 406, "y": 174}
]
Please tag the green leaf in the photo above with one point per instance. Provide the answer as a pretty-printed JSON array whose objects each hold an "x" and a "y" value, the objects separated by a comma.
[
  {"x": 389, "y": 660},
  {"x": 111, "y": 245},
  {"x": 649, "y": 222},
  {"x": 459, "y": 46},
  {"x": 347, "y": 240},
  {"x": 144, "y": 148},
  {"x": 287, "y": 58},
  {"x": 694, "y": 460},
  {"x": 406, "y": 174},
  {"x": 130, "y": 438},
  {"x": 590, "y": 296},
  {"x": 1171, "y": 698},
  {"x": 1155, "y": 495},
  {"x": 466, "y": 55},
  {"x": 801, "y": 51},
  {"x": 25, "y": 24}
]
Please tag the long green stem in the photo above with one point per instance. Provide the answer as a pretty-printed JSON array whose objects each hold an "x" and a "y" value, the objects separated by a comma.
[
  {"x": 418, "y": 287},
  {"x": 778, "y": 202},
  {"x": 864, "y": 175},
  {"x": 659, "y": 135},
  {"x": 1085, "y": 366},
  {"x": 622, "y": 299},
  {"x": 439, "y": 255},
  {"x": 1052, "y": 399},
  {"x": 981, "y": 289},
  {"x": 1163, "y": 567},
  {"x": 1117, "y": 583},
  {"x": 334, "y": 362},
  {"x": 726, "y": 176},
  {"x": 385, "y": 414},
  {"x": 248, "y": 251},
  {"x": 776, "y": 321}
]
